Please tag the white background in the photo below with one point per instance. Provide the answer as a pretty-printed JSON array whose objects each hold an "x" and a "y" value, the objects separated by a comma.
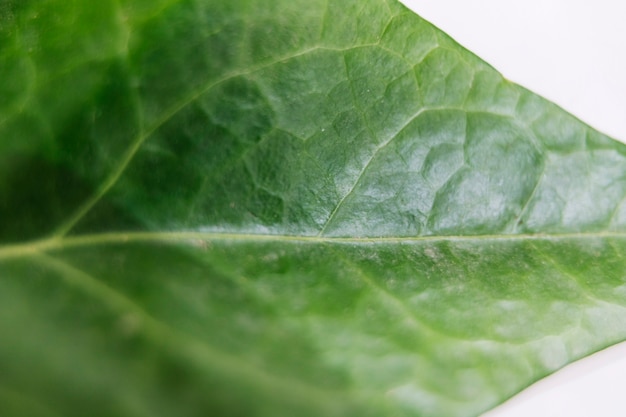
[{"x": 572, "y": 52}]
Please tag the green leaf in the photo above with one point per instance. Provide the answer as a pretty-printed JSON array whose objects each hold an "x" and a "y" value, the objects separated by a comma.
[{"x": 309, "y": 208}]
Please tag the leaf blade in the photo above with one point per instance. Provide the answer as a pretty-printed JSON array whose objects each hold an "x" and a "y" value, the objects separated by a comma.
[{"x": 367, "y": 219}]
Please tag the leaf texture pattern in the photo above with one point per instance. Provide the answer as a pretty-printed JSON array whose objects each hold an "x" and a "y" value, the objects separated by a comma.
[{"x": 288, "y": 208}]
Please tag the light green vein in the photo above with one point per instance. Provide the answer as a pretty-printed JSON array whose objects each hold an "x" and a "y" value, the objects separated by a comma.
[
  {"x": 194, "y": 350},
  {"x": 380, "y": 147},
  {"x": 199, "y": 239},
  {"x": 584, "y": 289},
  {"x": 392, "y": 303},
  {"x": 175, "y": 109},
  {"x": 136, "y": 143},
  {"x": 363, "y": 171}
]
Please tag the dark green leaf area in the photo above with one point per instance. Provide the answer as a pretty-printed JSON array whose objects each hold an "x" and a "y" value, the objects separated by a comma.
[
  {"x": 35, "y": 195},
  {"x": 193, "y": 45}
]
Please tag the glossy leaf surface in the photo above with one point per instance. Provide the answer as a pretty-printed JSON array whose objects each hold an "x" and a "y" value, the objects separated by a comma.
[{"x": 284, "y": 208}]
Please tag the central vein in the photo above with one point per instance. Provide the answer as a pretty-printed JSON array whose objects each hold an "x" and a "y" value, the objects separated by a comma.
[{"x": 197, "y": 238}]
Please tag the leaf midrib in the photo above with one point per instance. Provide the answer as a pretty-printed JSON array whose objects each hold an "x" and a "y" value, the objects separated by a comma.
[{"x": 198, "y": 239}]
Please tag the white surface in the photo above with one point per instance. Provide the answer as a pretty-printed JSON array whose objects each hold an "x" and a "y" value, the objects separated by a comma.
[
  {"x": 572, "y": 52},
  {"x": 592, "y": 387}
]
